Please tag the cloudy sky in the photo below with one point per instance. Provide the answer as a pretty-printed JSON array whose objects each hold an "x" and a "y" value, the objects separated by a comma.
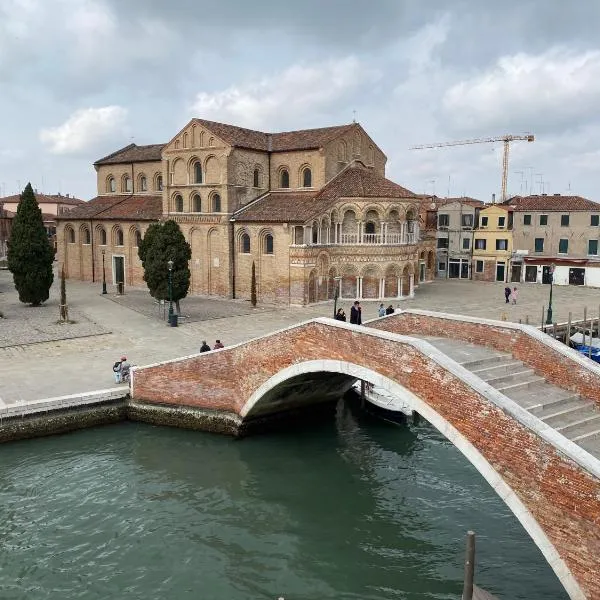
[{"x": 81, "y": 78}]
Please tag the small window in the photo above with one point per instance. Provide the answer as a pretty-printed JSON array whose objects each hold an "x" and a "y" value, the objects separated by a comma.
[
  {"x": 197, "y": 202},
  {"x": 138, "y": 238},
  {"x": 217, "y": 203},
  {"x": 284, "y": 179},
  {"x": 478, "y": 266},
  {"x": 112, "y": 186},
  {"x": 564, "y": 220},
  {"x": 307, "y": 178},
  {"x": 484, "y": 221},
  {"x": 501, "y": 221},
  {"x": 197, "y": 172},
  {"x": 178, "y": 203},
  {"x": 467, "y": 220},
  {"x": 246, "y": 243},
  {"x": 143, "y": 184},
  {"x": 87, "y": 238},
  {"x": 442, "y": 243},
  {"x": 501, "y": 244},
  {"x": 441, "y": 266},
  {"x": 539, "y": 244},
  {"x": 594, "y": 220},
  {"x": 119, "y": 237},
  {"x": 159, "y": 183},
  {"x": 526, "y": 219},
  {"x": 269, "y": 244},
  {"x": 256, "y": 179},
  {"x": 103, "y": 237},
  {"x": 466, "y": 244},
  {"x": 315, "y": 235},
  {"x": 126, "y": 184},
  {"x": 443, "y": 220},
  {"x": 370, "y": 227},
  {"x": 593, "y": 247},
  {"x": 543, "y": 219},
  {"x": 563, "y": 246},
  {"x": 71, "y": 236},
  {"x": 480, "y": 244},
  {"x": 211, "y": 142}
]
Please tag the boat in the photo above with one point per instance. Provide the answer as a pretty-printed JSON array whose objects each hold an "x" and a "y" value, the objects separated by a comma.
[
  {"x": 591, "y": 349},
  {"x": 383, "y": 405}
]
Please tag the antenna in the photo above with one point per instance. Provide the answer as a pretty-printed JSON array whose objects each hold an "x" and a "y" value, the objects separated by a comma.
[
  {"x": 541, "y": 181},
  {"x": 449, "y": 179},
  {"x": 522, "y": 174},
  {"x": 354, "y": 116}
]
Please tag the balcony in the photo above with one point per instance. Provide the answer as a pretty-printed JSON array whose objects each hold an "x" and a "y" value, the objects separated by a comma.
[{"x": 369, "y": 239}]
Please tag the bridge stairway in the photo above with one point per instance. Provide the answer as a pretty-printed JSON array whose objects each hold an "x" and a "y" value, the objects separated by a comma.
[{"x": 577, "y": 418}]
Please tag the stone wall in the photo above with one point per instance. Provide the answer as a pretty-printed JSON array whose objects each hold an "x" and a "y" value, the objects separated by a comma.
[{"x": 151, "y": 170}]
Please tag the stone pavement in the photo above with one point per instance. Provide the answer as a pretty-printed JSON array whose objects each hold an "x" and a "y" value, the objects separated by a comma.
[{"x": 33, "y": 371}]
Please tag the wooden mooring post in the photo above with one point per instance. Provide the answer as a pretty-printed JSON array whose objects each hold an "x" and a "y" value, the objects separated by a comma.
[
  {"x": 568, "y": 338},
  {"x": 543, "y": 311},
  {"x": 584, "y": 323},
  {"x": 469, "y": 567}
]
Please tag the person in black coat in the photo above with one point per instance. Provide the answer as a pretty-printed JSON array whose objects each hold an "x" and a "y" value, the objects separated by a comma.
[
  {"x": 340, "y": 315},
  {"x": 389, "y": 310},
  {"x": 205, "y": 347},
  {"x": 356, "y": 313}
]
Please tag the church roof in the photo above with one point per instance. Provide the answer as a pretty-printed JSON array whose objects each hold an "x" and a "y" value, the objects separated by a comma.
[
  {"x": 133, "y": 153},
  {"x": 142, "y": 207},
  {"x": 356, "y": 181},
  {"x": 303, "y": 139},
  {"x": 46, "y": 199}
]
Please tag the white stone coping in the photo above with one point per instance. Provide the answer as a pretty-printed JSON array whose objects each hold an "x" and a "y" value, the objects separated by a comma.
[
  {"x": 529, "y": 330},
  {"x": 29, "y": 407}
]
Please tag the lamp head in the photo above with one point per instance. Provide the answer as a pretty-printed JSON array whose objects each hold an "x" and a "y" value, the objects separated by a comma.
[{"x": 170, "y": 265}]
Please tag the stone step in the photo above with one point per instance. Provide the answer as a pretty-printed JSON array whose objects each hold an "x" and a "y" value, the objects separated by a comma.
[
  {"x": 488, "y": 361},
  {"x": 544, "y": 392},
  {"x": 532, "y": 383},
  {"x": 587, "y": 424},
  {"x": 590, "y": 442},
  {"x": 567, "y": 416},
  {"x": 510, "y": 378},
  {"x": 502, "y": 367},
  {"x": 544, "y": 407}
]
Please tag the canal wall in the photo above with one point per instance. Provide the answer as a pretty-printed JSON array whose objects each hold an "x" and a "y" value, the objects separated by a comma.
[{"x": 62, "y": 414}]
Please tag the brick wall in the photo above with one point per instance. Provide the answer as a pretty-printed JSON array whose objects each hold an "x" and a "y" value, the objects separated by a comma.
[
  {"x": 545, "y": 358},
  {"x": 561, "y": 497}
]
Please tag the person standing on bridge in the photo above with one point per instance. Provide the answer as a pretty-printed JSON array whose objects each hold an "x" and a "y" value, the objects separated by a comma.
[
  {"x": 218, "y": 345},
  {"x": 356, "y": 313},
  {"x": 340, "y": 315},
  {"x": 381, "y": 310},
  {"x": 205, "y": 347}
]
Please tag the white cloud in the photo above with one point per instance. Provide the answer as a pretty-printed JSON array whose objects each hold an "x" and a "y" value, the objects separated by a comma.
[
  {"x": 85, "y": 130},
  {"x": 298, "y": 91},
  {"x": 557, "y": 89}
]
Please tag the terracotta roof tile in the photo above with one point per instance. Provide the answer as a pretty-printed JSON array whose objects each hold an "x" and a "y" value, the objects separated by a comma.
[
  {"x": 303, "y": 139},
  {"x": 556, "y": 202},
  {"x": 126, "y": 208},
  {"x": 300, "y": 206},
  {"x": 46, "y": 199},
  {"x": 133, "y": 153}
]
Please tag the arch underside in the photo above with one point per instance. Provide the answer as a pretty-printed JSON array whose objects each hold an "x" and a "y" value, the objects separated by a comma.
[{"x": 307, "y": 384}]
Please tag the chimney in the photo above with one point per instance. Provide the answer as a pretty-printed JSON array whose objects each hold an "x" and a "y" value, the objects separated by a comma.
[
  {"x": 67, "y": 195},
  {"x": 493, "y": 198},
  {"x": 557, "y": 194}
]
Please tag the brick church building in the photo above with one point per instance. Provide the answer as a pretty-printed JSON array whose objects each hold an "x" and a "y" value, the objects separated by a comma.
[{"x": 312, "y": 209}]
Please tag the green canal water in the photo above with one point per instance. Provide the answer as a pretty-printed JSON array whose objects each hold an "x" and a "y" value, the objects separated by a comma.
[{"x": 348, "y": 509}]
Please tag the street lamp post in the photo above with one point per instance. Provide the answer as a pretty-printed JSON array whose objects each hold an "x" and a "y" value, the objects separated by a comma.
[
  {"x": 336, "y": 294},
  {"x": 103, "y": 273},
  {"x": 549, "y": 315},
  {"x": 170, "y": 265}
]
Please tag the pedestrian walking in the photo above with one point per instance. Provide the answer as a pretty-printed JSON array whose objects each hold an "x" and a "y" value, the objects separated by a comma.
[
  {"x": 218, "y": 345},
  {"x": 340, "y": 315},
  {"x": 507, "y": 293},
  {"x": 514, "y": 295},
  {"x": 118, "y": 369},
  {"x": 356, "y": 313},
  {"x": 205, "y": 347},
  {"x": 382, "y": 312}
]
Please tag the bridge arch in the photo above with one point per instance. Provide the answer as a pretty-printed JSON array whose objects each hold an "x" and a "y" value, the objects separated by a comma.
[{"x": 302, "y": 374}]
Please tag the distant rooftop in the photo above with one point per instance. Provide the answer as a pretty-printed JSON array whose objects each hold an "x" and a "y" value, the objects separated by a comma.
[
  {"x": 554, "y": 202},
  {"x": 133, "y": 153},
  {"x": 46, "y": 199}
]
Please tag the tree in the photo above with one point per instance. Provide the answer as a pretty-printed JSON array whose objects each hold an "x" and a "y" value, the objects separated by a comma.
[
  {"x": 164, "y": 242},
  {"x": 253, "y": 286},
  {"x": 30, "y": 255},
  {"x": 64, "y": 309}
]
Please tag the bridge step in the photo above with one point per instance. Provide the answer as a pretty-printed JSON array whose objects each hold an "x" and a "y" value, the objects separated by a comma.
[
  {"x": 507, "y": 389},
  {"x": 590, "y": 442},
  {"x": 547, "y": 407},
  {"x": 585, "y": 425},
  {"x": 503, "y": 367},
  {"x": 489, "y": 361},
  {"x": 524, "y": 376},
  {"x": 567, "y": 416}
]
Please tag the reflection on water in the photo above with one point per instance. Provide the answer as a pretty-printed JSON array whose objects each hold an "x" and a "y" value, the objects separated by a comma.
[{"x": 348, "y": 509}]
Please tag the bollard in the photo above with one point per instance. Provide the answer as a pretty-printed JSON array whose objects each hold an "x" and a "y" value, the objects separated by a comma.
[
  {"x": 584, "y": 323},
  {"x": 469, "y": 567},
  {"x": 526, "y": 319},
  {"x": 568, "y": 338}
]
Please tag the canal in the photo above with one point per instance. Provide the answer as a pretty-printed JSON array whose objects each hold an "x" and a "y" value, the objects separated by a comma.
[{"x": 347, "y": 509}]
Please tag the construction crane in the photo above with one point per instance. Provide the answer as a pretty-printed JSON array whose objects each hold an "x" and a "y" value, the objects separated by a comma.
[{"x": 507, "y": 139}]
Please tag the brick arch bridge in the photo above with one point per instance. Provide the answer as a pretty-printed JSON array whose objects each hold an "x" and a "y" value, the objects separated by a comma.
[{"x": 552, "y": 488}]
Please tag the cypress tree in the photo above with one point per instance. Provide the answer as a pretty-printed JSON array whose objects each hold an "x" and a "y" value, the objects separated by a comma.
[
  {"x": 30, "y": 254},
  {"x": 64, "y": 309},
  {"x": 253, "y": 286},
  {"x": 164, "y": 242}
]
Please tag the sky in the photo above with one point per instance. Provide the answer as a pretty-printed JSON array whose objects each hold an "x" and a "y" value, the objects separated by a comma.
[{"x": 82, "y": 78}]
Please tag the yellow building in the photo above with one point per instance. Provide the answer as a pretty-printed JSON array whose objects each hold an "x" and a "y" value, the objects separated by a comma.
[{"x": 493, "y": 244}]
